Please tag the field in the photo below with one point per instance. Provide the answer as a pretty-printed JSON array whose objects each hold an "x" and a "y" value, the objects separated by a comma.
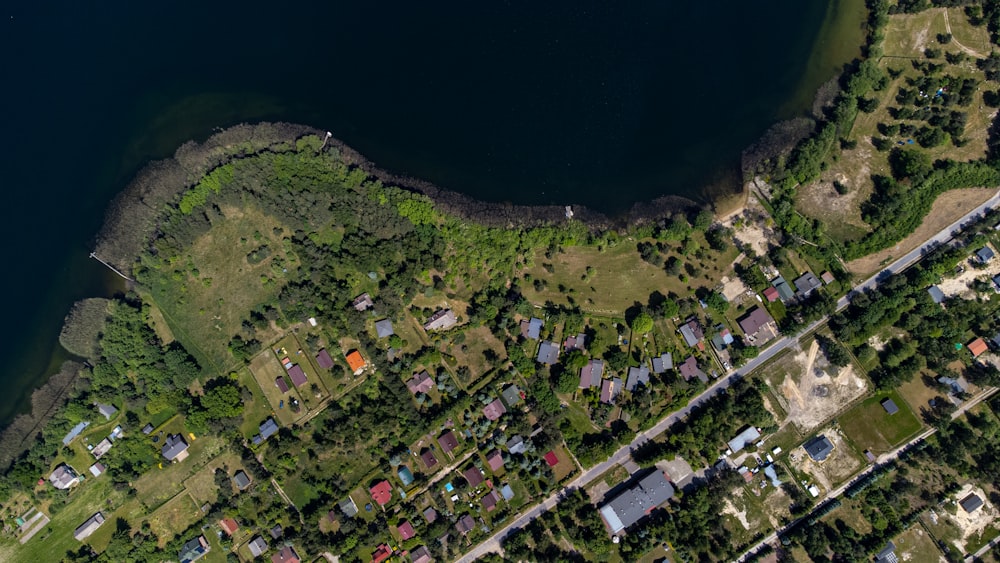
[
  {"x": 906, "y": 38},
  {"x": 174, "y": 516},
  {"x": 214, "y": 292},
  {"x": 809, "y": 389},
  {"x": 470, "y": 349},
  {"x": 870, "y": 427},
  {"x": 167, "y": 479},
  {"x": 256, "y": 410},
  {"x": 266, "y": 368},
  {"x": 619, "y": 277},
  {"x": 916, "y": 546}
]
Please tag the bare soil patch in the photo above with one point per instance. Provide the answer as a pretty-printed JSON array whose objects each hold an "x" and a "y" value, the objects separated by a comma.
[
  {"x": 947, "y": 208},
  {"x": 972, "y": 524},
  {"x": 839, "y": 466},
  {"x": 960, "y": 285}
]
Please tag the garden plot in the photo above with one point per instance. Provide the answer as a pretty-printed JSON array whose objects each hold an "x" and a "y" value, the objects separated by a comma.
[{"x": 837, "y": 468}]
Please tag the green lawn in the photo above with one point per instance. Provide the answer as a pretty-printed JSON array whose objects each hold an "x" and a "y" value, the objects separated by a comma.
[
  {"x": 870, "y": 427},
  {"x": 256, "y": 410}
]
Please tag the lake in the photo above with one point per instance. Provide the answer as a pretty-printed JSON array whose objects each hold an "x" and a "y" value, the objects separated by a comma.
[{"x": 564, "y": 102}]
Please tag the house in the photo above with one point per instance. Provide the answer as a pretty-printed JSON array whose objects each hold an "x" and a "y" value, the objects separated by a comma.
[
  {"x": 241, "y": 480},
  {"x": 971, "y": 503},
  {"x": 405, "y": 475},
  {"x": 690, "y": 370},
  {"x": 430, "y": 514},
  {"x": 663, "y": 362},
  {"x": 348, "y": 507},
  {"x": 74, "y": 432},
  {"x": 490, "y": 501},
  {"x": 806, "y": 283},
  {"x": 276, "y": 532},
  {"x": 268, "y": 428},
  {"x": 755, "y": 320},
  {"x": 936, "y": 294},
  {"x": 194, "y": 550},
  {"x": 420, "y": 555},
  {"x": 381, "y": 492},
  {"x": 174, "y": 448},
  {"x": 494, "y": 410},
  {"x": 285, "y": 555},
  {"x": 506, "y": 492},
  {"x": 383, "y": 328},
  {"x": 827, "y": 277},
  {"x": 147, "y": 429},
  {"x": 819, "y": 448},
  {"x": 984, "y": 255},
  {"x": 494, "y": 460},
  {"x": 748, "y": 436},
  {"x": 722, "y": 339},
  {"x": 406, "y": 530},
  {"x": 257, "y": 546},
  {"x": 355, "y": 361},
  {"x": 516, "y": 445},
  {"x": 771, "y": 294},
  {"x": 281, "y": 383},
  {"x": 890, "y": 406},
  {"x": 474, "y": 476},
  {"x": 297, "y": 376},
  {"x": 692, "y": 334},
  {"x": 420, "y": 383},
  {"x": 634, "y": 503},
  {"x": 888, "y": 554},
  {"x": 441, "y": 320},
  {"x": 575, "y": 343},
  {"x": 448, "y": 442},
  {"x": 229, "y": 526},
  {"x": 428, "y": 458},
  {"x": 465, "y": 524},
  {"x": 610, "y": 389},
  {"x": 382, "y": 552},
  {"x": 97, "y": 469},
  {"x": 784, "y": 291},
  {"x": 532, "y": 329},
  {"x": 89, "y": 526},
  {"x": 548, "y": 353},
  {"x": 323, "y": 359},
  {"x": 511, "y": 395},
  {"x": 550, "y": 459},
  {"x": 363, "y": 302},
  {"x": 101, "y": 448},
  {"x": 590, "y": 374},
  {"x": 957, "y": 385},
  {"x": 977, "y": 347},
  {"x": 637, "y": 376},
  {"x": 107, "y": 411}
]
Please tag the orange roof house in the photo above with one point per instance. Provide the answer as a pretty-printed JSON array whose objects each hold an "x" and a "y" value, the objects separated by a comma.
[
  {"x": 977, "y": 347},
  {"x": 355, "y": 360},
  {"x": 229, "y": 526}
]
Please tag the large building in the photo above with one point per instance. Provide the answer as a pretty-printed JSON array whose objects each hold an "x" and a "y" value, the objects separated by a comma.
[{"x": 635, "y": 503}]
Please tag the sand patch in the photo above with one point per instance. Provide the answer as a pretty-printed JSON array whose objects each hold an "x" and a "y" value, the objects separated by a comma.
[{"x": 961, "y": 285}]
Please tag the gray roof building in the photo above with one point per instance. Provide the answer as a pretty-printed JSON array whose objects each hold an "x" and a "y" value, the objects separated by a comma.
[
  {"x": 64, "y": 477},
  {"x": 692, "y": 333},
  {"x": 441, "y": 320},
  {"x": 888, "y": 554},
  {"x": 748, "y": 436},
  {"x": 663, "y": 362},
  {"x": 590, "y": 374},
  {"x": 637, "y": 376},
  {"x": 785, "y": 292},
  {"x": 174, "y": 448},
  {"x": 806, "y": 283},
  {"x": 147, "y": 429},
  {"x": 516, "y": 445},
  {"x": 511, "y": 395},
  {"x": 633, "y": 504},
  {"x": 890, "y": 406},
  {"x": 194, "y": 550},
  {"x": 384, "y": 328},
  {"x": 936, "y": 294},
  {"x": 971, "y": 503},
  {"x": 107, "y": 411},
  {"x": 755, "y": 320},
  {"x": 348, "y": 507},
  {"x": 819, "y": 448},
  {"x": 89, "y": 527},
  {"x": 532, "y": 328},
  {"x": 985, "y": 254},
  {"x": 241, "y": 479},
  {"x": 257, "y": 546},
  {"x": 548, "y": 353}
]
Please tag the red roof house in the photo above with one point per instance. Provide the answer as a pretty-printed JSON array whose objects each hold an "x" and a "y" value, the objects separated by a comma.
[
  {"x": 285, "y": 555},
  {"x": 355, "y": 361},
  {"x": 494, "y": 460},
  {"x": 474, "y": 476},
  {"x": 229, "y": 526},
  {"x": 551, "y": 459},
  {"x": 771, "y": 294},
  {"x": 323, "y": 359},
  {"x": 382, "y": 553},
  {"x": 382, "y": 493},
  {"x": 977, "y": 347},
  {"x": 406, "y": 530},
  {"x": 420, "y": 383}
]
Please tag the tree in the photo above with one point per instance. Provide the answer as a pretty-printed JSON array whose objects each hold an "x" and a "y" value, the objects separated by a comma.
[
  {"x": 642, "y": 323},
  {"x": 616, "y": 358},
  {"x": 909, "y": 163},
  {"x": 703, "y": 219}
]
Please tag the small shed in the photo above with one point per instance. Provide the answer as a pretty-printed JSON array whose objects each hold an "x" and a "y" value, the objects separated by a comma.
[{"x": 890, "y": 406}]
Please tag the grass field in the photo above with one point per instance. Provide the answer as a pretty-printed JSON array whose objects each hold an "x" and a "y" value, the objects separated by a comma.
[
  {"x": 201, "y": 486},
  {"x": 266, "y": 368},
  {"x": 619, "y": 277},
  {"x": 256, "y": 410},
  {"x": 174, "y": 517},
  {"x": 167, "y": 479},
  {"x": 915, "y": 545},
  {"x": 870, "y": 427},
  {"x": 207, "y": 301},
  {"x": 469, "y": 349}
]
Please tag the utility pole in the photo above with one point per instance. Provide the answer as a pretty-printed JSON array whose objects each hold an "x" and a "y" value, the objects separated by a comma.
[{"x": 113, "y": 269}]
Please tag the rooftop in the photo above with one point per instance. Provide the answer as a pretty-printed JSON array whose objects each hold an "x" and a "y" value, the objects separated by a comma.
[
  {"x": 755, "y": 320},
  {"x": 285, "y": 555},
  {"x": 971, "y": 503},
  {"x": 663, "y": 362},
  {"x": 474, "y": 476},
  {"x": 637, "y": 376},
  {"x": 819, "y": 448},
  {"x": 747, "y": 436},
  {"x": 806, "y": 283},
  {"x": 548, "y": 353},
  {"x": 384, "y": 328},
  {"x": 511, "y": 395},
  {"x": 297, "y": 376},
  {"x": 174, "y": 447},
  {"x": 420, "y": 383},
  {"x": 590, "y": 374},
  {"x": 890, "y": 406},
  {"x": 381, "y": 492},
  {"x": 977, "y": 347},
  {"x": 448, "y": 441},
  {"x": 494, "y": 410},
  {"x": 257, "y": 546},
  {"x": 323, "y": 359},
  {"x": 634, "y": 503}
]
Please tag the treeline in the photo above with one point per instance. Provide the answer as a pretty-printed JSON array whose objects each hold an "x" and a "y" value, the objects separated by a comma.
[{"x": 699, "y": 437}]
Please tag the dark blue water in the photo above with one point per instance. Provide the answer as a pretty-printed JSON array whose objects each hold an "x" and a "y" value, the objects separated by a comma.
[{"x": 596, "y": 103}]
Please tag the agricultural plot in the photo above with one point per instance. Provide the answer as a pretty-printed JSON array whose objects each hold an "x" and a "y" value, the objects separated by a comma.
[
  {"x": 266, "y": 369},
  {"x": 313, "y": 391},
  {"x": 174, "y": 516},
  {"x": 870, "y": 427},
  {"x": 916, "y": 546}
]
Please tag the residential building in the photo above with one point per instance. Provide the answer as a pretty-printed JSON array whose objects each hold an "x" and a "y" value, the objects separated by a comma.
[
  {"x": 971, "y": 503},
  {"x": 297, "y": 376},
  {"x": 281, "y": 383},
  {"x": 692, "y": 334},
  {"x": 494, "y": 410},
  {"x": 348, "y": 507},
  {"x": 241, "y": 479},
  {"x": 827, "y": 277},
  {"x": 194, "y": 550},
  {"x": 285, "y": 555},
  {"x": 474, "y": 476},
  {"x": 785, "y": 292},
  {"x": 257, "y": 546},
  {"x": 984, "y": 255},
  {"x": 382, "y": 552},
  {"x": 532, "y": 329},
  {"x": 97, "y": 469},
  {"x": 506, "y": 492},
  {"x": 590, "y": 374},
  {"x": 936, "y": 294},
  {"x": 977, "y": 347},
  {"x": 806, "y": 283},
  {"x": 363, "y": 302},
  {"x": 383, "y": 328},
  {"x": 494, "y": 460},
  {"x": 771, "y": 294},
  {"x": 890, "y": 406},
  {"x": 276, "y": 531},
  {"x": 89, "y": 526},
  {"x": 756, "y": 320},
  {"x": 107, "y": 411},
  {"x": 428, "y": 458},
  {"x": 722, "y": 339},
  {"x": 690, "y": 370},
  {"x": 174, "y": 448},
  {"x": 229, "y": 526},
  {"x": 323, "y": 359},
  {"x": 420, "y": 383},
  {"x": 441, "y": 320},
  {"x": 406, "y": 530},
  {"x": 747, "y": 436},
  {"x": 637, "y": 376},
  {"x": 147, "y": 429},
  {"x": 101, "y": 448},
  {"x": 421, "y": 555},
  {"x": 490, "y": 501},
  {"x": 381, "y": 492},
  {"x": 633, "y": 504},
  {"x": 610, "y": 389},
  {"x": 355, "y": 362},
  {"x": 430, "y": 514},
  {"x": 465, "y": 524},
  {"x": 511, "y": 395},
  {"x": 819, "y": 448},
  {"x": 663, "y": 362},
  {"x": 575, "y": 343},
  {"x": 548, "y": 353},
  {"x": 74, "y": 432},
  {"x": 448, "y": 442},
  {"x": 516, "y": 445}
]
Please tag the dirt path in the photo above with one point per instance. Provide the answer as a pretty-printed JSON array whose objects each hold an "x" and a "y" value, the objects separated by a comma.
[
  {"x": 811, "y": 360},
  {"x": 968, "y": 51},
  {"x": 947, "y": 208}
]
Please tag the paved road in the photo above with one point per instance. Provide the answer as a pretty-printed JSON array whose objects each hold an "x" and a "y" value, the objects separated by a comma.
[
  {"x": 882, "y": 459},
  {"x": 624, "y": 453}
]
